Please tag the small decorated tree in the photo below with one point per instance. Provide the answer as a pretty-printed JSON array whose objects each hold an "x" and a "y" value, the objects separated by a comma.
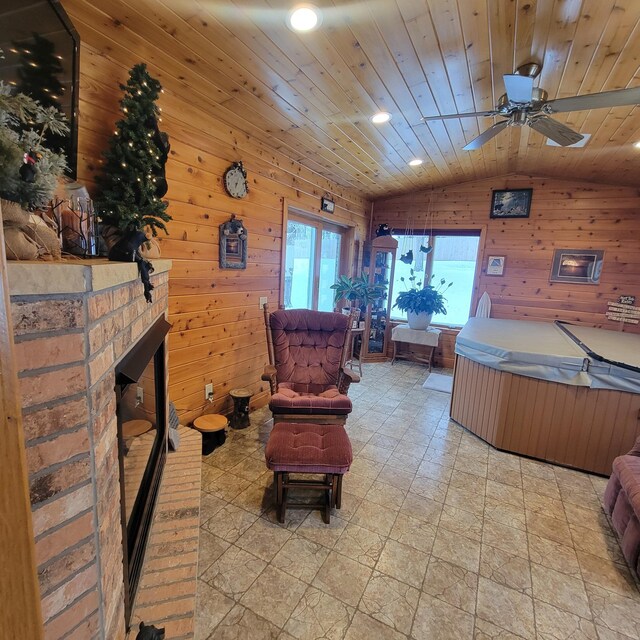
[
  {"x": 133, "y": 183},
  {"x": 29, "y": 169}
]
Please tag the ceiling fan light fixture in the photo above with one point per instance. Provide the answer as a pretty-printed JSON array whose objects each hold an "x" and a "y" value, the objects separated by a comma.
[
  {"x": 304, "y": 17},
  {"x": 637, "y": 144},
  {"x": 381, "y": 117},
  {"x": 416, "y": 162}
]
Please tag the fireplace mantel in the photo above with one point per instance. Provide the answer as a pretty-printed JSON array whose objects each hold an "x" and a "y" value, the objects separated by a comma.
[
  {"x": 73, "y": 322},
  {"x": 27, "y": 278}
]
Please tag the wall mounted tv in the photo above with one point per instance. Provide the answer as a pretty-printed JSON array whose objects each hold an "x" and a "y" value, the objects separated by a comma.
[{"x": 40, "y": 56}]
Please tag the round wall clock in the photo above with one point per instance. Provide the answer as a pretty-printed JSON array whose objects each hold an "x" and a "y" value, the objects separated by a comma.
[{"x": 235, "y": 181}]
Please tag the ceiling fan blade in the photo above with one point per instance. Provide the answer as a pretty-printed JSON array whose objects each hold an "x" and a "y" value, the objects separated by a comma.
[
  {"x": 557, "y": 131},
  {"x": 485, "y": 136},
  {"x": 519, "y": 88},
  {"x": 619, "y": 98},
  {"x": 475, "y": 114}
]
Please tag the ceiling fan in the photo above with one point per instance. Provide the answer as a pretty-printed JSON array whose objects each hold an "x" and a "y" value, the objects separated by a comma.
[{"x": 523, "y": 104}]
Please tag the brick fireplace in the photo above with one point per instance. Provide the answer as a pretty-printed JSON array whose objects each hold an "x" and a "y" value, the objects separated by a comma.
[{"x": 73, "y": 323}]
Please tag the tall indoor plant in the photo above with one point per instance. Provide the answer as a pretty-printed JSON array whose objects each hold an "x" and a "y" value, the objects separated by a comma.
[{"x": 420, "y": 303}]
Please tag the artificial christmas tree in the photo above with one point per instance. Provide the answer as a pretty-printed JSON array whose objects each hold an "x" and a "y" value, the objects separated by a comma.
[{"x": 133, "y": 181}]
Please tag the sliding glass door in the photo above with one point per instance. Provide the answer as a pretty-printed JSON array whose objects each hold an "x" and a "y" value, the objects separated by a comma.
[{"x": 313, "y": 257}]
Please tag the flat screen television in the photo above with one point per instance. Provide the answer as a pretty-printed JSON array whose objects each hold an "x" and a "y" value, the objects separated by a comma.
[{"x": 40, "y": 56}]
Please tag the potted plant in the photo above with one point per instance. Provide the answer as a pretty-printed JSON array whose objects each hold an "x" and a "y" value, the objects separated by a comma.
[
  {"x": 356, "y": 289},
  {"x": 29, "y": 171},
  {"x": 421, "y": 303}
]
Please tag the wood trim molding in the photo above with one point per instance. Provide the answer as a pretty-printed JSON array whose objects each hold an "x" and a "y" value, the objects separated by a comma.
[{"x": 21, "y": 615}]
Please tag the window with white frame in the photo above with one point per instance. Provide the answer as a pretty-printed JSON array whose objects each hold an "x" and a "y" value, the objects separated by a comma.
[{"x": 452, "y": 256}]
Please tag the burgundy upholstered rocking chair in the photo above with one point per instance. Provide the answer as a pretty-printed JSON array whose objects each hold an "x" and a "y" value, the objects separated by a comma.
[{"x": 307, "y": 350}]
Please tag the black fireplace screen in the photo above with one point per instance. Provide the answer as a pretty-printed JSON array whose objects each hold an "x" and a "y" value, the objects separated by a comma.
[{"x": 142, "y": 437}]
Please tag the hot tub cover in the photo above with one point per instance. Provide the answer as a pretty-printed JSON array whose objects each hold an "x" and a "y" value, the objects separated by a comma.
[{"x": 608, "y": 359}]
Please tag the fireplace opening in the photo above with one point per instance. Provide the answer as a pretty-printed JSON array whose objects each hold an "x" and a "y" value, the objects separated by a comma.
[{"x": 142, "y": 446}]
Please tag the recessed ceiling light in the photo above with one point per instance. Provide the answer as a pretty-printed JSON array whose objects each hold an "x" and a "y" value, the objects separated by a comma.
[
  {"x": 636, "y": 145},
  {"x": 381, "y": 117},
  {"x": 415, "y": 162},
  {"x": 304, "y": 17}
]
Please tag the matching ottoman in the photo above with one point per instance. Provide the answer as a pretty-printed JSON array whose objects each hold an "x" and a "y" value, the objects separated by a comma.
[{"x": 319, "y": 449}]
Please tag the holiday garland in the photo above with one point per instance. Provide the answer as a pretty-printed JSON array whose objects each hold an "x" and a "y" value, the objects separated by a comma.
[{"x": 133, "y": 180}]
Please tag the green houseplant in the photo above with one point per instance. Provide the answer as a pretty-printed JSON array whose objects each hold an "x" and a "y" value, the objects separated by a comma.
[
  {"x": 421, "y": 303},
  {"x": 356, "y": 289}
]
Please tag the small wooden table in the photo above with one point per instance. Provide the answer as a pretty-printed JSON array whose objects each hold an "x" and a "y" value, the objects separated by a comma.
[
  {"x": 213, "y": 428},
  {"x": 240, "y": 416},
  {"x": 427, "y": 338}
]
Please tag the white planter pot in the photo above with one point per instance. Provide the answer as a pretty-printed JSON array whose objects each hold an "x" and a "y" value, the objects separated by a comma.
[{"x": 419, "y": 321}]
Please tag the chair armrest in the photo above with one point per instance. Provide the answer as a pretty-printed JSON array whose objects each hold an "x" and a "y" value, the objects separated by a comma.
[
  {"x": 345, "y": 378},
  {"x": 635, "y": 450},
  {"x": 269, "y": 376}
]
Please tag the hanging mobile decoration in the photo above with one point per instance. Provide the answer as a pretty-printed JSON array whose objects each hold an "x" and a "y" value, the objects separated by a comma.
[
  {"x": 429, "y": 248},
  {"x": 407, "y": 256}
]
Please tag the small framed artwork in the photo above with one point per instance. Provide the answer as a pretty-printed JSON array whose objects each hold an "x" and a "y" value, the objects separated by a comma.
[
  {"x": 579, "y": 266},
  {"x": 511, "y": 203},
  {"x": 233, "y": 244},
  {"x": 495, "y": 266}
]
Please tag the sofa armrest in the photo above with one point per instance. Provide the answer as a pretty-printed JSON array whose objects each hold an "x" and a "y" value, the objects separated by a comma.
[
  {"x": 269, "y": 376},
  {"x": 345, "y": 379},
  {"x": 635, "y": 450}
]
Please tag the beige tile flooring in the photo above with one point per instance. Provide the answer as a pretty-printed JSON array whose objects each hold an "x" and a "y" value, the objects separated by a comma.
[{"x": 440, "y": 537}]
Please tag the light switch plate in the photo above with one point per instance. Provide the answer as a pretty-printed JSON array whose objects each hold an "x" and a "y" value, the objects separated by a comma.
[
  {"x": 263, "y": 301},
  {"x": 208, "y": 391}
]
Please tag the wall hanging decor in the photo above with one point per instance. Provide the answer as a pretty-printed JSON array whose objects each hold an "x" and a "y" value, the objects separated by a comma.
[
  {"x": 511, "y": 203},
  {"x": 495, "y": 265},
  {"x": 233, "y": 244},
  {"x": 327, "y": 204},
  {"x": 579, "y": 266}
]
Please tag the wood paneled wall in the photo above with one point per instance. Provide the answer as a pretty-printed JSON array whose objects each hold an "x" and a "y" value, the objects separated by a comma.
[
  {"x": 564, "y": 214},
  {"x": 218, "y": 331}
]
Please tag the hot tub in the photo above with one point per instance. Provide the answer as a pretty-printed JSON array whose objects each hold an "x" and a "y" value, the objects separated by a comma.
[{"x": 557, "y": 392}]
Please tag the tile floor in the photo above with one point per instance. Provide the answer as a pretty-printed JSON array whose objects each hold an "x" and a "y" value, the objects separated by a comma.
[{"x": 440, "y": 537}]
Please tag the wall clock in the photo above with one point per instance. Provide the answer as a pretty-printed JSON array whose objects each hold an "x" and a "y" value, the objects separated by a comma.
[{"x": 235, "y": 180}]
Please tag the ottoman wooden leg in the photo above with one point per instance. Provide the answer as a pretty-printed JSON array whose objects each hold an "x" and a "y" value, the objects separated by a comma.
[
  {"x": 338, "y": 492},
  {"x": 278, "y": 483}
]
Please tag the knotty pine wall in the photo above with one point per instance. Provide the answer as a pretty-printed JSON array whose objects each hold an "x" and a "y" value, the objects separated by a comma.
[
  {"x": 564, "y": 214},
  {"x": 218, "y": 330}
]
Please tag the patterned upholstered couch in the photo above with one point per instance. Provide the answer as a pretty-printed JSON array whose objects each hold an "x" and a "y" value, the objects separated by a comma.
[{"x": 622, "y": 503}]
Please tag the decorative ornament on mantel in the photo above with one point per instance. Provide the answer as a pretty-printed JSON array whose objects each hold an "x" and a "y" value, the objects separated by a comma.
[
  {"x": 29, "y": 170},
  {"x": 133, "y": 180}
]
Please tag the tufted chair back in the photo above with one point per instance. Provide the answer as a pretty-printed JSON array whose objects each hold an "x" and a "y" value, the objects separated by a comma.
[{"x": 308, "y": 348}]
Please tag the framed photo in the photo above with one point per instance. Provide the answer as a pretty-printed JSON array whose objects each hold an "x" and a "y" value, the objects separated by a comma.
[
  {"x": 511, "y": 203},
  {"x": 495, "y": 266},
  {"x": 580, "y": 266}
]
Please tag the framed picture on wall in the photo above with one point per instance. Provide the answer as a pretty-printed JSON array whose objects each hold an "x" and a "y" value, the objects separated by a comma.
[
  {"x": 579, "y": 266},
  {"x": 495, "y": 265},
  {"x": 511, "y": 203}
]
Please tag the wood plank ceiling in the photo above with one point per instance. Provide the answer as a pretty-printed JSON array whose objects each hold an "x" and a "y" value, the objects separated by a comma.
[{"x": 311, "y": 95}]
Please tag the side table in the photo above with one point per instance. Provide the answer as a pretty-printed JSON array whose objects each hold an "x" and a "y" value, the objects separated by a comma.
[{"x": 428, "y": 339}]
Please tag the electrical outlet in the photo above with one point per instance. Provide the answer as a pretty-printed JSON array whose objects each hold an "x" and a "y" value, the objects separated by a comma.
[
  {"x": 208, "y": 391},
  {"x": 139, "y": 395},
  {"x": 263, "y": 301}
]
